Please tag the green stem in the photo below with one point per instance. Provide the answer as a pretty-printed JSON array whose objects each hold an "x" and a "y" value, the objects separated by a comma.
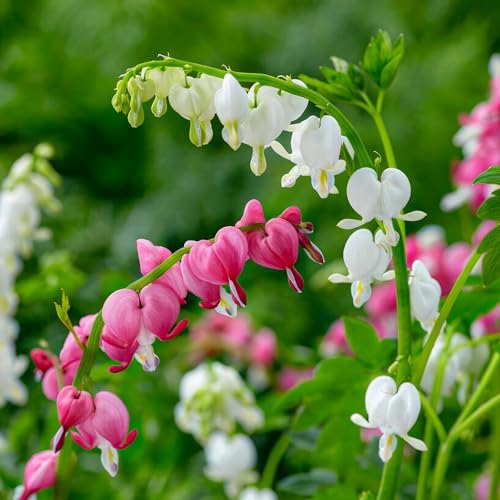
[
  {"x": 390, "y": 475},
  {"x": 275, "y": 456},
  {"x": 443, "y": 316},
  {"x": 464, "y": 421},
  {"x": 433, "y": 418},
  {"x": 280, "y": 83},
  {"x": 495, "y": 445}
]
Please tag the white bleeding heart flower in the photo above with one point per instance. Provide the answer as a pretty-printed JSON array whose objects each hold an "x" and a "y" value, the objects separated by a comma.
[
  {"x": 394, "y": 411},
  {"x": 366, "y": 260},
  {"x": 231, "y": 459},
  {"x": 425, "y": 294},
  {"x": 264, "y": 123},
  {"x": 382, "y": 199},
  {"x": 316, "y": 146},
  {"x": 194, "y": 101},
  {"x": 231, "y": 106}
]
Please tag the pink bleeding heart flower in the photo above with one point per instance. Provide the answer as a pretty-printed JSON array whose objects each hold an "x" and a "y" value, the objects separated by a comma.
[
  {"x": 43, "y": 362},
  {"x": 133, "y": 321},
  {"x": 106, "y": 429},
  {"x": 334, "y": 342},
  {"x": 150, "y": 256},
  {"x": 289, "y": 377},
  {"x": 263, "y": 348},
  {"x": 39, "y": 474},
  {"x": 73, "y": 408},
  {"x": 294, "y": 216},
  {"x": 212, "y": 296},
  {"x": 221, "y": 262},
  {"x": 277, "y": 247}
]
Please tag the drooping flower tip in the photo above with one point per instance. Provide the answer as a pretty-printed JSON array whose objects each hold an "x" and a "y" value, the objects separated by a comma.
[{"x": 39, "y": 474}]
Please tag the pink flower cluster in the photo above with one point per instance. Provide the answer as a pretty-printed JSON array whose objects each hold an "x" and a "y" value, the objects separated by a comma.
[
  {"x": 216, "y": 335},
  {"x": 133, "y": 320},
  {"x": 479, "y": 138}
]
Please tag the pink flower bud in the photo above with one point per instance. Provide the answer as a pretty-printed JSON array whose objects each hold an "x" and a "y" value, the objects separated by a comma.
[
  {"x": 49, "y": 382},
  {"x": 253, "y": 214},
  {"x": 73, "y": 408},
  {"x": 151, "y": 256},
  {"x": 39, "y": 473},
  {"x": 263, "y": 348},
  {"x": 42, "y": 361},
  {"x": 106, "y": 429}
]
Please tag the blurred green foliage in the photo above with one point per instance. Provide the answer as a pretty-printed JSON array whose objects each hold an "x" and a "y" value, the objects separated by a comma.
[{"x": 59, "y": 62}]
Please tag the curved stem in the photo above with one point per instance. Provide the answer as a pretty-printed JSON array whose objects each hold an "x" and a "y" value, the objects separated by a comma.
[
  {"x": 384, "y": 137},
  {"x": 480, "y": 413},
  {"x": 277, "y": 453},
  {"x": 433, "y": 418},
  {"x": 443, "y": 316},
  {"x": 283, "y": 84}
]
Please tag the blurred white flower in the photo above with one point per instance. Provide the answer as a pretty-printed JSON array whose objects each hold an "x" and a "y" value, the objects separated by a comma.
[
  {"x": 231, "y": 459},
  {"x": 214, "y": 397},
  {"x": 255, "y": 494},
  {"x": 394, "y": 411}
]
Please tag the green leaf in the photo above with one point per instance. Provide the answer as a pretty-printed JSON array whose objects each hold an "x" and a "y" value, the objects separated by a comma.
[
  {"x": 491, "y": 266},
  {"x": 331, "y": 90},
  {"x": 304, "y": 440},
  {"x": 308, "y": 483},
  {"x": 362, "y": 339},
  {"x": 490, "y": 208},
  {"x": 474, "y": 303},
  {"x": 490, "y": 176},
  {"x": 313, "y": 413},
  {"x": 490, "y": 241}
]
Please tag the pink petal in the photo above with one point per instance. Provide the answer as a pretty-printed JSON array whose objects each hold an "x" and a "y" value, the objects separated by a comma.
[
  {"x": 122, "y": 315},
  {"x": 253, "y": 214},
  {"x": 111, "y": 419},
  {"x": 231, "y": 248},
  {"x": 160, "y": 308}
]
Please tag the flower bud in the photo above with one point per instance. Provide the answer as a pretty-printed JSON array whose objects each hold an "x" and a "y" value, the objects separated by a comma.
[{"x": 39, "y": 474}]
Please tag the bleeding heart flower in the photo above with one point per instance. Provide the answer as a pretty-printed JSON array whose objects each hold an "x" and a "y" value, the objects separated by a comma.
[
  {"x": 134, "y": 320},
  {"x": 43, "y": 362},
  {"x": 106, "y": 429},
  {"x": 393, "y": 411},
  {"x": 221, "y": 262}
]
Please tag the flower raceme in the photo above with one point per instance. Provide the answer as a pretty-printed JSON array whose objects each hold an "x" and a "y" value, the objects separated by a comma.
[
  {"x": 366, "y": 260},
  {"x": 382, "y": 199},
  {"x": 394, "y": 411}
]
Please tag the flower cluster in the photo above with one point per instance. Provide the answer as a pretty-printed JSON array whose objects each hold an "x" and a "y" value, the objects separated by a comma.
[
  {"x": 255, "y": 117},
  {"x": 27, "y": 189},
  {"x": 213, "y": 396},
  {"x": 479, "y": 139}
]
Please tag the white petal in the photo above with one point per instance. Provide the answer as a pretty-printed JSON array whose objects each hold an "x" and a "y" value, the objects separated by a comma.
[
  {"x": 109, "y": 459},
  {"x": 388, "y": 275},
  {"x": 386, "y": 447},
  {"x": 418, "y": 444},
  {"x": 288, "y": 180},
  {"x": 358, "y": 419},
  {"x": 413, "y": 216},
  {"x": 350, "y": 223},
  {"x": 363, "y": 192},
  {"x": 378, "y": 394},
  {"x": 403, "y": 409},
  {"x": 348, "y": 146},
  {"x": 280, "y": 150},
  {"x": 146, "y": 356},
  {"x": 339, "y": 278},
  {"x": 226, "y": 306},
  {"x": 395, "y": 192}
]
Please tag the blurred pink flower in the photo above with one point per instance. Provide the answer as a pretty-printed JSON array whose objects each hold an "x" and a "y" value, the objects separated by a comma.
[
  {"x": 263, "y": 348},
  {"x": 334, "y": 341},
  {"x": 289, "y": 377}
]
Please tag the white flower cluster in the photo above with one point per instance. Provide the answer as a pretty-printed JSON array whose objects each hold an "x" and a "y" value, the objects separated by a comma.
[
  {"x": 255, "y": 117},
  {"x": 367, "y": 256},
  {"x": 27, "y": 188},
  {"x": 214, "y": 399}
]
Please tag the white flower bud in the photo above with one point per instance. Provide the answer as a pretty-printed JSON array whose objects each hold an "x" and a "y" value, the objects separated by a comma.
[
  {"x": 231, "y": 105},
  {"x": 255, "y": 494}
]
